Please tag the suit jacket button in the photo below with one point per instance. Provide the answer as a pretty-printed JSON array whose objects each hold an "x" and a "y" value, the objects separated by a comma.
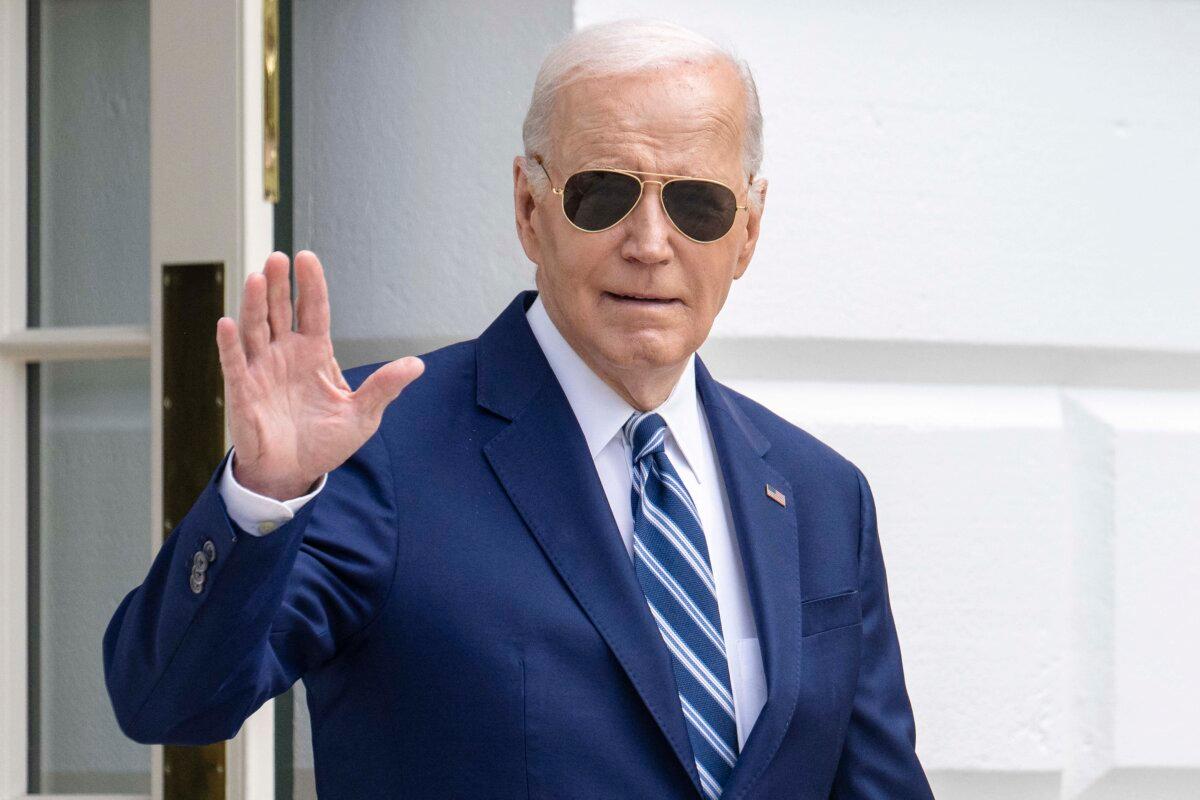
[
  {"x": 197, "y": 582},
  {"x": 210, "y": 550},
  {"x": 199, "y": 563}
]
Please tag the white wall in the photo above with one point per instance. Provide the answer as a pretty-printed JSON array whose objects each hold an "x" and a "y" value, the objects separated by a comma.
[
  {"x": 407, "y": 117},
  {"x": 977, "y": 279}
]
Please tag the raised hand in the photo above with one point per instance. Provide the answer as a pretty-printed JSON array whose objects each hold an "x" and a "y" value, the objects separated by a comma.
[{"x": 292, "y": 417}]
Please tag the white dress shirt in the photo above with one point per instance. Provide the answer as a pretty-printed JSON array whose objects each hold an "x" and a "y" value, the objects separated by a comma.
[{"x": 601, "y": 412}]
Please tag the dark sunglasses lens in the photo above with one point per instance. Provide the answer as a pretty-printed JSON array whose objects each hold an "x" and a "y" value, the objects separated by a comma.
[
  {"x": 595, "y": 200},
  {"x": 702, "y": 210}
]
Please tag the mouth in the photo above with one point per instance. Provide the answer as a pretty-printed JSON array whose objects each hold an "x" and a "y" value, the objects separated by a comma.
[{"x": 646, "y": 300}]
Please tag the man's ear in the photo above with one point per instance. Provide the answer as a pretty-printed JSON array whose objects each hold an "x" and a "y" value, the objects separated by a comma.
[
  {"x": 754, "y": 217},
  {"x": 524, "y": 206}
]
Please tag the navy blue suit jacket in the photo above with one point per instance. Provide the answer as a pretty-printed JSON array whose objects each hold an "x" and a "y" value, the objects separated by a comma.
[{"x": 468, "y": 624}]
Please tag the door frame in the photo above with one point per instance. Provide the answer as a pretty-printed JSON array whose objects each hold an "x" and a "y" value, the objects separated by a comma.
[{"x": 206, "y": 204}]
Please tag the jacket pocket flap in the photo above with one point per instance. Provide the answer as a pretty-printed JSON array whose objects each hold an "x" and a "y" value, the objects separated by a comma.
[{"x": 827, "y": 613}]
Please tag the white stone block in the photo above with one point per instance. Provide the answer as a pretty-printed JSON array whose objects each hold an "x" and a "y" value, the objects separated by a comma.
[{"x": 969, "y": 487}]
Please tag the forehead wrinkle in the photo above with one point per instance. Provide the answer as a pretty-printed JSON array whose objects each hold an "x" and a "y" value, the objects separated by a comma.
[{"x": 688, "y": 148}]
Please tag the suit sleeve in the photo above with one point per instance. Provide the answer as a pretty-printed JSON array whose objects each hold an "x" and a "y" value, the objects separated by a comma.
[
  {"x": 187, "y": 661},
  {"x": 248, "y": 509},
  {"x": 879, "y": 759}
]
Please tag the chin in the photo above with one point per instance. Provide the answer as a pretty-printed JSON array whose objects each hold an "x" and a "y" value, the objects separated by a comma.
[{"x": 646, "y": 352}]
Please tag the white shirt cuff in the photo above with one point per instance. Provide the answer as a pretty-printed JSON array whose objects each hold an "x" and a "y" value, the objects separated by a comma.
[{"x": 254, "y": 513}]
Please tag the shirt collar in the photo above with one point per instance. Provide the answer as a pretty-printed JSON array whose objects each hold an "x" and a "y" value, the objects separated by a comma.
[{"x": 600, "y": 410}]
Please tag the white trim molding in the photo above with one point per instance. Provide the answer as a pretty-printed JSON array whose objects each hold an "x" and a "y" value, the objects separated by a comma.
[
  {"x": 206, "y": 205},
  {"x": 14, "y": 676}
]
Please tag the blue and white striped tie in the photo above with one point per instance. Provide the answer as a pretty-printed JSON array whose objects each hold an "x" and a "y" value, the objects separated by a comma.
[{"x": 671, "y": 559}]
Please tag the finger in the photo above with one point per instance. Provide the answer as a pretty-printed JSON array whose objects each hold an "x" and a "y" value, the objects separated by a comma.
[
  {"x": 252, "y": 321},
  {"x": 279, "y": 294},
  {"x": 385, "y": 384},
  {"x": 312, "y": 298},
  {"x": 233, "y": 359},
  {"x": 237, "y": 386}
]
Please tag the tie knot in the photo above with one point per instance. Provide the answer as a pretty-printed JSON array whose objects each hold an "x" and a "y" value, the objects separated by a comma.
[{"x": 645, "y": 433}]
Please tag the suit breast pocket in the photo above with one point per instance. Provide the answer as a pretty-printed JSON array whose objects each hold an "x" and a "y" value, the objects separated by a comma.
[{"x": 823, "y": 614}]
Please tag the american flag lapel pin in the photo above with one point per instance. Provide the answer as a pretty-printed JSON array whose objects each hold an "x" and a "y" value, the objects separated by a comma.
[{"x": 776, "y": 495}]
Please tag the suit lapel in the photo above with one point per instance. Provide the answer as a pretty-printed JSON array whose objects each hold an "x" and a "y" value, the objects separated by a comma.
[
  {"x": 542, "y": 461},
  {"x": 768, "y": 540}
]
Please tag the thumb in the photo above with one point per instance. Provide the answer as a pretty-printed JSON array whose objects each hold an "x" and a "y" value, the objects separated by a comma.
[{"x": 385, "y": 384}]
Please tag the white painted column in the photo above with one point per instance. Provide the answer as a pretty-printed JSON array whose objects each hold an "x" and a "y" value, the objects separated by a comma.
[{"x": 206, "y": 204}]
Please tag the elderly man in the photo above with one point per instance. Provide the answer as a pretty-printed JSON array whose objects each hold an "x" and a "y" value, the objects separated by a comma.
[{"x": 565, "y": 562}]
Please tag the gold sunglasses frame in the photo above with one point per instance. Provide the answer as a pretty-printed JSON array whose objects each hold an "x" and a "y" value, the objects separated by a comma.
[{"x": 635, "y": 174}]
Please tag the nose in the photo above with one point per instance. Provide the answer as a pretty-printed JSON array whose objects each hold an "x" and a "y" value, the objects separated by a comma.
[{"x": 647, "y": 228}]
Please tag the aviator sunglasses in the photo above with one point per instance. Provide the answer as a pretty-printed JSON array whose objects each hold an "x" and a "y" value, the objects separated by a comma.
[{"x": 594, "y": 200}]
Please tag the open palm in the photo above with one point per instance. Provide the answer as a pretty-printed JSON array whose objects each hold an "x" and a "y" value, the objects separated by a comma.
[{"x": 292, "y": 416}]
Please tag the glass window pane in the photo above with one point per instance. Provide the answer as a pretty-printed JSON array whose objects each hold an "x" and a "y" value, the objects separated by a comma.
[
  {"x": 94, "y": 545},
  {"x": 94, "y": 164}
]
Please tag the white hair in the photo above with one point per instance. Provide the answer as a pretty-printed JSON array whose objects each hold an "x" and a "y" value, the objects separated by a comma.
[{"x": 624, "y": 47}]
